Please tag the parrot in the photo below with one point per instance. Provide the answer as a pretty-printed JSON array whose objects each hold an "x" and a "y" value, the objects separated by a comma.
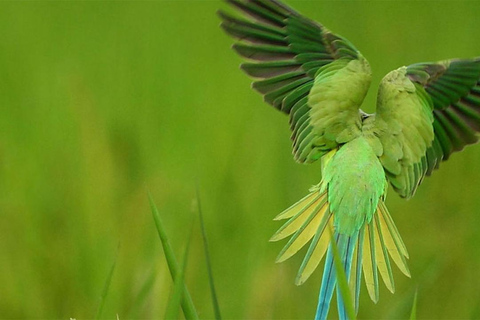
[{"x": 424, "y": 113}]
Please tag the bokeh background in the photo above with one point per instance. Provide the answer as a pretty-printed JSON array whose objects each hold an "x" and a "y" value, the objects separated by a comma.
[{"x": 101, "y": 101}]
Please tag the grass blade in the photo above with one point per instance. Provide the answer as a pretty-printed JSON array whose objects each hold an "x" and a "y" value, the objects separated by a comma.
[
  {"x": 176, "y": 297},
  {"x": 106, "y": 287},
  {"x": 413, "y": 313},
  {"x": 141, "y": 297},
  {"x": 342, "y": 282},
  {"x": 187, "y": 304},
  {"x": 216, "y": 307}
]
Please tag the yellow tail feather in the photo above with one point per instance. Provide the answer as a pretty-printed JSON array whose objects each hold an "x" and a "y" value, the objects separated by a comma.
[
  {"x": 369, "y": 267},
  {"x": 299, "y": 213},
  {"x": 295, "y": 208},
  {"x": 378, "y": 241},
  {"x": 381, "y": 254}
]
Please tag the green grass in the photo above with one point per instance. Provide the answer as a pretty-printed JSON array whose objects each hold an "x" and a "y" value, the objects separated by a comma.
[
  {"x": 179, "y": 288},
  {"x": 141, "y": 298},
  {"x": 99, "y": 99},
  {"x": 177, "y": 272},
  {"x": 216, "y": 306},
  {"x": 413, "y": 314},
  {"x": 106, "y": 287}
]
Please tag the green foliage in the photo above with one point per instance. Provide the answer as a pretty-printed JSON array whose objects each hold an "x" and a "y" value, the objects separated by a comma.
[
  {"x": 213, "y": 292},
  {"x": 178, "y": 289},
  {"x": 106, "y": 287},
  {"x": 413, "y": 313},
  {"x": 99, "y": 99},
  {"x": 139, "y": 301},
  {"x": 176, "y": 272}
]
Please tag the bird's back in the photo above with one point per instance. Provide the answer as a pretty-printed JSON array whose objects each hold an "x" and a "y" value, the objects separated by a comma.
[{"x": 355, "y": 181}]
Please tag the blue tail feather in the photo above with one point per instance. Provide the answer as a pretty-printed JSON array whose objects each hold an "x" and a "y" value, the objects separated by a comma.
[
  {"x": 346, "y": 247},
  {"x": 347, "y": 258},
  {"x": 358, "y": 271},
  {"x": 329, "y": 280}
]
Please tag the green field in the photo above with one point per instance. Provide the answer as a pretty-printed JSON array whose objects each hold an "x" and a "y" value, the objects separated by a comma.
[{"x": 102, "y": 101}]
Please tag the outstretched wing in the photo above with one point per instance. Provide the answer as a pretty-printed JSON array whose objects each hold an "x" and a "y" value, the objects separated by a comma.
[
  {"x": 428, "y": 112},
  {"x": 316, "y": 77}
]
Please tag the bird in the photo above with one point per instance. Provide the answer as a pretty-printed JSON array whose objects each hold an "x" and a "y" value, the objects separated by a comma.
[{"x": 424, "y": 113}]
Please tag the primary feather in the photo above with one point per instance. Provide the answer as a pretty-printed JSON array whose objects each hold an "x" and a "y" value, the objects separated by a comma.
[
  {"x": 304, "y": 70},
  {"x": 425, "y": 112}
]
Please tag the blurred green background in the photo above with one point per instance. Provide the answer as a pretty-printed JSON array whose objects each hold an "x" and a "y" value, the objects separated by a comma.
[{"x": 102, "y": 100}]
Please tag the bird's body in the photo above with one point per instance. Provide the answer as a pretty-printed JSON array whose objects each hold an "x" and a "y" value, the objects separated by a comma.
[
  {"x": 424, "y": 113},
  {"x": 347, "y": 205},
  {"x": 356, "y": 182}
]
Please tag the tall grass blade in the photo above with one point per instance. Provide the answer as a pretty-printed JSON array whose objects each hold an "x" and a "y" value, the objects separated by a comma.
[
  {"x": 342, "y": 282},
  {"x": 188, "y": 308},
  {"x": 216, "y": 307},
  {"x": 413, "y": 313},
  {"x": 106, "y": 287},
  {"x": 176, "y": 297},
  {"x": 142, "y": 296}
]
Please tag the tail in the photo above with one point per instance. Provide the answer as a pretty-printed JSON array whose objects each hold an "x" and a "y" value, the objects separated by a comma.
[{"x": 368, "y": 249}]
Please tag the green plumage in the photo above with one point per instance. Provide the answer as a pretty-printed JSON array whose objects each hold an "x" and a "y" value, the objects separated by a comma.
[
  {"x": 403, "y": 125},
  {"x": 354, "y": 204},
  {"x": 294, "y": 60},
  {"x": 425, "y": 112}
]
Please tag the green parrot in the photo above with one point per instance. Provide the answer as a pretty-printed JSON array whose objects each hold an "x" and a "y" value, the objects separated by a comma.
[{"x": 425, "y": 112}]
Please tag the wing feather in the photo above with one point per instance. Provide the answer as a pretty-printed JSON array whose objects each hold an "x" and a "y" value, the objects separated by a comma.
[
  {"x": 302, "y": 69},
  {"x": 444, "y": 118}
]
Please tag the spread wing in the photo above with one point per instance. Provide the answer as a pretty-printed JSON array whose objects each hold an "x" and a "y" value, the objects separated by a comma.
[
  {"x": 316, "y": 77},
  {"x": 425, "y": 112}
]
